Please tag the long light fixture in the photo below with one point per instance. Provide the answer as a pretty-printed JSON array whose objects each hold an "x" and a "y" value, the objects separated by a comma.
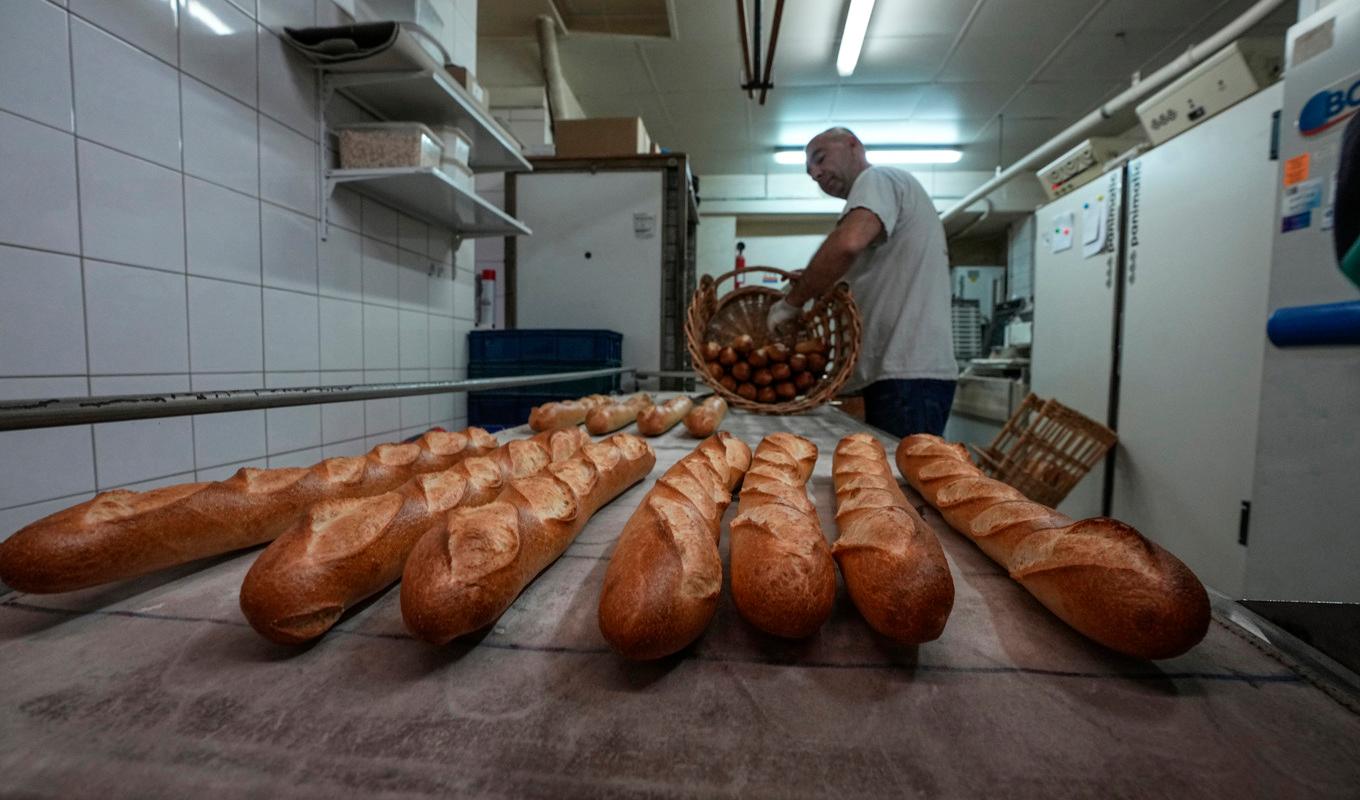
[
  {"x": 884, "y": 155},
  {"x": 852, "y": 37}
]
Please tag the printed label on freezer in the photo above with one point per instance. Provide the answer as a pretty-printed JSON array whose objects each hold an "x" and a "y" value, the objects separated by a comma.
[
  {"x": 1330, "y": 107},
  {"x": 1296, "y": 169}
]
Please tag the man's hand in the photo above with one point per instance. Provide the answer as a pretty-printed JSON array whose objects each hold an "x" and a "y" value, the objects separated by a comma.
[{"x": 780, "y": 313}]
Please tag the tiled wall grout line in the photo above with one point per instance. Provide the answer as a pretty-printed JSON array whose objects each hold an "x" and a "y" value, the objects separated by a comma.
[
  {"x": 184, "y": 205},
  {"x": 80, "y": 245}
]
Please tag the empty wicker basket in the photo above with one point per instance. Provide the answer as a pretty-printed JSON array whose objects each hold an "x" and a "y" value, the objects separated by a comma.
[
  {"x": 720, "y": 313},
  {"x": 1045, "y": 449}
]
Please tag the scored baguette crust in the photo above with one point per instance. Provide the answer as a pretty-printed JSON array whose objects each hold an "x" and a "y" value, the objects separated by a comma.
[
  {"x": 1098, "y": 575},
  {"x": 611, "y": 416},
  {"x": 342, "y": 551},
  {"x": 783, "y": 576},
  {"x": 704, "y": 420},
  {"x": 121, "y": 534},
  {"x": 894, "y": 567},
  {"x": 564, "y": 413},
  {"x": 661, "y": 588},
  {"x": 469, "y": 568},
  {"x": 656, "y": 420}
]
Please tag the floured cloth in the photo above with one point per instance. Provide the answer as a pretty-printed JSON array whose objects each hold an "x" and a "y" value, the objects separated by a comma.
[{"x": 158, "y": 688}]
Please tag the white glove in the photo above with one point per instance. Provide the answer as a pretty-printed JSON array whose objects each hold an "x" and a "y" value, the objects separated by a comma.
[{"x": 780, "y": 313}]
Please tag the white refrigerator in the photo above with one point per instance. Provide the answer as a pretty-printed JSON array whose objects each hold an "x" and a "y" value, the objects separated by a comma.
[
  {"x": 1076, "y": 274},
  {"x": 1195, "y": 284},
  {"x": 1304, "y": 535}
]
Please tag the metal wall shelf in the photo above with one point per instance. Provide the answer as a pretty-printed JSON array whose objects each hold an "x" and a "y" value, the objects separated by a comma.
[
  {"x": 431, "y": 195},
  {"x": 431, "y": 96}
]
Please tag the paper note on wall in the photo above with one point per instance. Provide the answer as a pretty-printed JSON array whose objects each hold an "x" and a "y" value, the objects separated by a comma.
[
  {"x": 1093, "y": 227},
  {"x": 1062, "y": 232}
]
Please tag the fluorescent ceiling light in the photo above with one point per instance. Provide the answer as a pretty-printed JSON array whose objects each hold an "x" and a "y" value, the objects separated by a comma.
[
  {"x": 852, "y": 37},
  {"x": 886, "y": 155}
]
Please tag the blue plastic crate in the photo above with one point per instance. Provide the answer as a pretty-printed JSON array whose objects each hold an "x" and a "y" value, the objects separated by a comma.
[
  {"x": 503, "y": 410},
  {"x": 564, "y": 390},
  {"x": 545, "y": 344}
]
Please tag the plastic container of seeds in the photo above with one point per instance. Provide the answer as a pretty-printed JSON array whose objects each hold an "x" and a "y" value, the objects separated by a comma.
[{"x": 376, "y": 145}]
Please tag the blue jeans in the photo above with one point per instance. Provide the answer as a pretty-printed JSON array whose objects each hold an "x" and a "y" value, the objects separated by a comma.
[{"x": 904, "y": 407}]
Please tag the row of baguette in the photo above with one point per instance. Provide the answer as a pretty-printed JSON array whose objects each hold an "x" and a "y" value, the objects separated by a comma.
[
  {"x": 603, "y": 414},
  {"x": 466, "y": 524}
]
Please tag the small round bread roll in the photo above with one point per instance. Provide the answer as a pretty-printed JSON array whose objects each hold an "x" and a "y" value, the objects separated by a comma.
[
  {"x": 781, "y": 372},
  {"x": 803, "y": 381},
  {"x": 758, "y": 358},
  {"x": 798, "y": 363},
  {"x": 743, "y": 344},
  {"x": 778, "y": 352},
  {"x": 747, "y": 391},
  {"x": 711, "y": 350},
  {"x": 728, "y": 383},
  {"x": 786, "y": 390},
  {"x": 766, "y": 394},
  {"x": 727, "y": 357},
  {"x": 741, "y": 371},
  {"x": 762, "y": 377}
]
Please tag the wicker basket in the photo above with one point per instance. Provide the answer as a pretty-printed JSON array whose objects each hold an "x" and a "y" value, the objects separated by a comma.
[
  {"x": 715, "y": 315},
  {"x": 1045, "y": 449}
]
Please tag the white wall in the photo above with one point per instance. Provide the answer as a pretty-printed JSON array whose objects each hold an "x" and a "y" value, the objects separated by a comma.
[
  {"x": 785, "y": 252},
  {"x": 717, "y": 245},
  {"x": 159, "y": 232}
]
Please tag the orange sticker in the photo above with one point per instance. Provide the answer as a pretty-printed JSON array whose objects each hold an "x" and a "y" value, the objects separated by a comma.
[{"x": 1296, "y": 170}]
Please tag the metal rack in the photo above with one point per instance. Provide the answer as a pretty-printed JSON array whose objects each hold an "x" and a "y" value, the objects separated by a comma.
[
  {"x": 55, "y": 412},
  {"x": 416, "y": 86}
]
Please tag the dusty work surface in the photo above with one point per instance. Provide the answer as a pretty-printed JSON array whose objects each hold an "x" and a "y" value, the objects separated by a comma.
[{"x": 158, "y": 688}]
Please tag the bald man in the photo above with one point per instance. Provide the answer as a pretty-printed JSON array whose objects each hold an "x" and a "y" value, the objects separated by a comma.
[{"x": 889, "y": 246}]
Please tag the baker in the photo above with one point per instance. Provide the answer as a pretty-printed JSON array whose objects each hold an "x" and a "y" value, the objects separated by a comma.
[{"x": 889, "y": 245}]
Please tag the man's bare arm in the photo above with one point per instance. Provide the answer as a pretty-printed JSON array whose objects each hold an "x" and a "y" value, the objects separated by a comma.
[{"x": 855, "y": 232}]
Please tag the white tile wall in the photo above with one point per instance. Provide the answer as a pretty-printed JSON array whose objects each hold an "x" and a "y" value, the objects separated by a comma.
[
  {"x": 131, "y": 210},
  {"x": 159, "y": 232},
  {"x": 42, "y": 316},
  {"x": 37, "y": 186},
  {"x": 125, "y": 98},
  {"x": 34, "y": 58}
]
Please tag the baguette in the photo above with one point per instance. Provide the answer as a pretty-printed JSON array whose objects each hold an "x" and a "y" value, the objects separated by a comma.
[
  {"x": 1098, "y": 575},
  {"x": 564, "y": 413},
  {"x": 343, "y": 551},
  {"x": 611, "y": 416},
  {"x": 704, "y": 420},
  {"x": 893, "y": 565},
  {"x": 783, "y": 576},
  {"x": 121, "y": 534},
  {"x": 656, "y": 420},
  {"x": 468, "y": 569},
  {"x": 661, "y": 587}
]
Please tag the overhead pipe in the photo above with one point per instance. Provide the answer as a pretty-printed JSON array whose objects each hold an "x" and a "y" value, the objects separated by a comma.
[
  {"x": 765, "y": 83},
  {"x": 558, "y": 106},
  {"x": 748, "y": 75},
  {"x": 966, "y": 229},
  {"x": 1194, "y": 55}
]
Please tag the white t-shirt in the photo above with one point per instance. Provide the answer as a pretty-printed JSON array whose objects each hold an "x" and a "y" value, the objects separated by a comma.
[{"x": 901, "y": 283}]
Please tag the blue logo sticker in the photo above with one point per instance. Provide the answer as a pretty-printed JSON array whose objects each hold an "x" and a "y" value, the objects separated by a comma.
[{"x": 1328, "y": 108}]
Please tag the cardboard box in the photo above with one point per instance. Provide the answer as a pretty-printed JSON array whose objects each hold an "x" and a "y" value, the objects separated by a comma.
[
  {"x": 468, "y": 81},
  {"x": 606, "y": 136}
]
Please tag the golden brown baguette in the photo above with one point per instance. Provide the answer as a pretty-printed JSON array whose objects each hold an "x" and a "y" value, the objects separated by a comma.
[
  {"x": 564, "y": 413},
  {"x": 893, "y": 565},
  {"x": 612, "y": 416},
  {"x": 1098, "y": 575},
  {"x": 783, "y": 577},
  {"x": 467, "y": 570},
  {"x": 656, "y": 420},
  {"x": 661, "y": 588},
  {"x": 704, "y": 420},
  {"x": 121, "y": 534},
  {"x": 342, "y": 551}
]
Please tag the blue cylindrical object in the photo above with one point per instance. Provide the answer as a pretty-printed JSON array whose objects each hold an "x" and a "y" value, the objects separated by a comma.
[{"x": 1327, "y": 323}]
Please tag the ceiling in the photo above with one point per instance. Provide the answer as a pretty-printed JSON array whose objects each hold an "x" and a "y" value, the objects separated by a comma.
[{"x": 996, "y": 77}]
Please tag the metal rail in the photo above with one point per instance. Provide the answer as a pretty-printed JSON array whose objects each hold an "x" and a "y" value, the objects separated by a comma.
[{"x": 50, "y": 413}]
